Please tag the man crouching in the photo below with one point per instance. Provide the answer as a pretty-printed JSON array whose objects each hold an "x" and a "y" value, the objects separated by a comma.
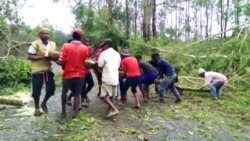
[{"x": 109, "y": 61}]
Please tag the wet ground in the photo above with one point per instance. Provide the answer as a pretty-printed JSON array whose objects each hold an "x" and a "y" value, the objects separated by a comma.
[
  {"x": 154, "y": 121},
  {"x": 191, "y": 120}
]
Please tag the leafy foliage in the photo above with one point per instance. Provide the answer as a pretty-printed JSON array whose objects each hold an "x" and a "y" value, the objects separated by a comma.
[{"x": 14, "y": 73}]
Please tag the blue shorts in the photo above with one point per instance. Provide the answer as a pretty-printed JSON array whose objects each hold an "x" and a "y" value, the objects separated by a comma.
[
  {"x": 148, "y": 79},
  {"x": 132, "y": 82}
]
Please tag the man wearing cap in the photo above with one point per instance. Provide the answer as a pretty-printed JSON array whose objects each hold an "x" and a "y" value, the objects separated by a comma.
[
  {"x": 131, "y": 68},
  {"x": 214, "y": 81},
  {"x": 73, "y": 56},
  {"x": 40, "y": 54},
  {"x": 89, "y": 82},
  {"x": 109, "y": 62},
  {"x": 168, "y": 73}
]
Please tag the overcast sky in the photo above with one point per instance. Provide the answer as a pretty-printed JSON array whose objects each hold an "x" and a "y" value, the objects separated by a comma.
[{"x": 58, "y": 14}]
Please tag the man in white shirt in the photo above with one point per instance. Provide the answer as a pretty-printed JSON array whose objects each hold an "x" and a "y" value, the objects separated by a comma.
[{"x": 109, "y": 61}]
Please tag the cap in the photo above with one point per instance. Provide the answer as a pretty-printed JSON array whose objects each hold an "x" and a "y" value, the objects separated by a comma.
[
  {"x": 106, "y": 41},
  {"x": 201, "y": 70},
  {"x": 125, "y": 52},
  {"x": 78, "y": 31},
  {"x": 42, "y": 29}
]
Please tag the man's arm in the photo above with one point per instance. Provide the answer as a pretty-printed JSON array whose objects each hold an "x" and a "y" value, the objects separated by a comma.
[
  {"x": 32, "y": 53},
  {"x": 35, "y": 57}
]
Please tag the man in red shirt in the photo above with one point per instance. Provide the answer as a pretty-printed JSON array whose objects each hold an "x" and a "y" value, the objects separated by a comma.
[
  {"x": 89, "y": 82},
  {"x": 72, "y": 58},
  {"x": 131, "y": 67}
]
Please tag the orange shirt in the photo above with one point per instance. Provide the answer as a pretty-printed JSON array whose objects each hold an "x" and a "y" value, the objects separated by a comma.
[
  {"x": 130, "y": 64},
  {"x": 73, "y": 55},
  {"x": 89, "y": 56}
]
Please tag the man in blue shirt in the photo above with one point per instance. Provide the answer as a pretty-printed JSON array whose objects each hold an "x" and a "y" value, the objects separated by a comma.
[{"x": 168, "y": 73}]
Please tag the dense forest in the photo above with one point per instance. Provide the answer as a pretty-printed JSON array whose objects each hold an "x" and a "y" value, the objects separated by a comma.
[{"x": 209, "y": 33}]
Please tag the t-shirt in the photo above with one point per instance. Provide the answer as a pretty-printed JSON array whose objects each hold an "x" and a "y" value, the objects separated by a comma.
[
  {"x": 147, "y": 68},
  {"x": 166, "y": 67},
  {"x": 131, "y": 66},
  {"x": 89, "y": 56},
  {"x": 110, "y": 60},
  {"x": 73, "y": 55},
  {"x": 212, "y": 77}
]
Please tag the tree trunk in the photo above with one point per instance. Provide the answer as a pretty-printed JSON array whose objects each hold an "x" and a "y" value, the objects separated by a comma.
[
  {"x": 154, "y": 18},
  {"x": 135, "y": 16},
  {"x": 226, "y": 19},
  {"x": 146, "y": 20},
  {"x": 110, "y": 12},
  {"x": 221, "y": 17},
  {"x": 207, "y": 20},
  {"x": 127, "y": 20},
  {"x": 237, "y": 12}
]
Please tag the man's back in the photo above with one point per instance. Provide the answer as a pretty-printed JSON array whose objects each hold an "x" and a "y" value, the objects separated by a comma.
[
  {"x": 211, "y": 77},
  {"x": 131, "y": 65},
  {"x": 110, "y": 61},
  {"x": 147, "y": 68},
  {"x": 73, "y": 55},
  {"x": 166, "y": 67}
]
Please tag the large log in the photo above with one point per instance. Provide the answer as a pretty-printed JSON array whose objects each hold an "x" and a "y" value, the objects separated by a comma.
[
  {"x": 184, "y": 88},
  {"x": 11, "y": 101}
]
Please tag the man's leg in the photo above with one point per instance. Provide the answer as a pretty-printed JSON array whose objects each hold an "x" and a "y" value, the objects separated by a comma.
[
  {"x": 69, "y": 99},
  {"x": 90, "y": 82},
  {"x": 50, "y": 90},
  {"x": 175, "y": 92},
  {"x": 125, "y": 88},
  {"x": 134, "y": 84},
  {"x": 78, "y": 83},
  {"x": 65, "y": 87},
  {"x": 99, "y": 79},
  {"x": 218, "y": 87},
  {"x": 213, "y": 91},
  {"x": 147, "y": 92},
  {"x": 107, "y": 92},
  {"x": 163, "y": 86},
  {"x": 37, "y": 83},
  {"x": 83, "y": 93}
]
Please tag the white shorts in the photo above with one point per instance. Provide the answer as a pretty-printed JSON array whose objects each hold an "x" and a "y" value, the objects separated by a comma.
[{"x": 108, "y": 90}]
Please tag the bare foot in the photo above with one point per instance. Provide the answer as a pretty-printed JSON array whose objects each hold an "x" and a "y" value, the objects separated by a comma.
[{"x": 112, "y": 113}]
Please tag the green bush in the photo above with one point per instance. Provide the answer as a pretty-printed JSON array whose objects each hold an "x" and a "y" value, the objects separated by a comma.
[{"x": 14, "y": 73}]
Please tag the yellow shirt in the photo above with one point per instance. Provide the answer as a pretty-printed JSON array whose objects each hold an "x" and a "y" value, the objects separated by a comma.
[{"x": 38, "y": 48}]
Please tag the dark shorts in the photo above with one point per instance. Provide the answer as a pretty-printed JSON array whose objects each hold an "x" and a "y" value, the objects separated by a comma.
[
  {"x": 132, "y": 82},
  {"x": 74, "y": 84},
  {"x": 38, "y": 79},
  {"x": 89, "y": 79},
  {"x": 148, "y": 79}
]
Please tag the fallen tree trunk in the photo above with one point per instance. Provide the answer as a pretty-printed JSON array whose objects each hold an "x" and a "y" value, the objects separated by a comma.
[
  {"x": 183, "y": 88},
  {"x": 11, "y": 101}
]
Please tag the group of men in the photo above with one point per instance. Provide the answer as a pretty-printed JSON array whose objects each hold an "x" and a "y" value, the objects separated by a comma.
[{"x": 115, "y": 71}]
